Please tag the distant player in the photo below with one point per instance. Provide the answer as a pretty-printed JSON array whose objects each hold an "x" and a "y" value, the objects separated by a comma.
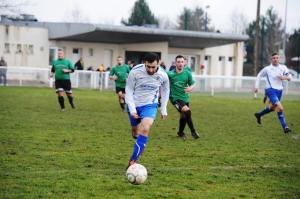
[
  {"x": 142, "y": 92},
  {"x": 62, "y": 68},
  {"x": 181, "y": 83},
  {"x": 275, "y": 74},
  {"x": 119, "y": 74}
]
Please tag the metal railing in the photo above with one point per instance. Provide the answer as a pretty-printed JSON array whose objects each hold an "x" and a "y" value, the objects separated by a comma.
[{"x": 40, "y": 77}]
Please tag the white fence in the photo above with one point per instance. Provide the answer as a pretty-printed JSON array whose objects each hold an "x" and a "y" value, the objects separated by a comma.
[{"x": 27, "y": 76}]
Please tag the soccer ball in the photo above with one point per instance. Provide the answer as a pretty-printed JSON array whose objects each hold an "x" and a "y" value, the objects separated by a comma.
[{"x": 136, "y": 174}]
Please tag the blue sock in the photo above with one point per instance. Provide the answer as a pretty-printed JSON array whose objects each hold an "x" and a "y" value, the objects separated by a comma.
[
  {"x": 138, "y": 147},
  {"x": 281, "y": 119},
  {"x": 265, "y": 111}
]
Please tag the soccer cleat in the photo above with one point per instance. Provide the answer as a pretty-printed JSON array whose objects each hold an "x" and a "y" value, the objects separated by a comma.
[
  {"x": 73, "y": 106},
  {"x": 258, "y": 118},
  {"x": 195, "y": 135},
  {"x": 287, "y": 130},
  {"x": 62, "y": 110},
  {"x": 182, "y": 135}
]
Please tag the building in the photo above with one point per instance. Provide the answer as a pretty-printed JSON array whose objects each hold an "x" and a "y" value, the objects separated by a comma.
[{"x": 35, "y": 44}]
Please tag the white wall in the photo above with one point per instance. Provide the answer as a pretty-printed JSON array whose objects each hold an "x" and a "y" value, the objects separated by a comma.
[{"x": 33, "y": 42}]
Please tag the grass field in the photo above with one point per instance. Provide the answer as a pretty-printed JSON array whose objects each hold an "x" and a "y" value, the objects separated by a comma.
[{"x": 83, "y": 153}]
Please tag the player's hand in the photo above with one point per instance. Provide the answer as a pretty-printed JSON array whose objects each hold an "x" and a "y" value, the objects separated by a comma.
[
  {"x": 66, "y": 70},
  {"x": 134, "y": 115},
  {"x": 188, "y": 89}
]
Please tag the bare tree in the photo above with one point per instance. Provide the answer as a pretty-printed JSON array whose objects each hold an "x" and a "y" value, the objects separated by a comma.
[
  {"x": 166, "y": 23},
  {"x": 239, "y": 22},
  {"x": 12, "y": 6},
  {"x": 76, "y": 15}
]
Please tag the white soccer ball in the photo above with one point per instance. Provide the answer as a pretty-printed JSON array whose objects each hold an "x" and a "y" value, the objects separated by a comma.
[{"x": 136, "y": 174}]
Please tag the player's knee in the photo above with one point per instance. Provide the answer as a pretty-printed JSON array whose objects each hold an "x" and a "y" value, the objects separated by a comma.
[{"x": 185, "y": 108}]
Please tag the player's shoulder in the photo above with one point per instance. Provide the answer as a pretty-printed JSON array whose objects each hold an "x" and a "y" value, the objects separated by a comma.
[
  {"x": 138, "y": 67},
  {"x": 283, "y": 66}
]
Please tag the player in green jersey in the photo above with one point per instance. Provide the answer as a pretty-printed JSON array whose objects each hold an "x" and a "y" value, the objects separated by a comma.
[
  {"x": 62, "y": 68},
  {"x": 181, "y": 83},
  {"x": 119, "y": 74}
]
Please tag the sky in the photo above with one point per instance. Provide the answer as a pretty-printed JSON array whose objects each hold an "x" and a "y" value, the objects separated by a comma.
[{"x": 112, "y": 11}]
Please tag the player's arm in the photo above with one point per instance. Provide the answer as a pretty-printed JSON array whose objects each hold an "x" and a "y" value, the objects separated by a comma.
[
  {"x": 165, "y": 96},
  {"x": 112, "y": 74},
  {"x": 191, "y": 83},
  {"x": 70, "y": 68},
  {"x": 261, "y": 74},
  {"x": 52, "y": 71},
  {"x": 286, "y": 75},
  {"x": 129, "y": 90}
]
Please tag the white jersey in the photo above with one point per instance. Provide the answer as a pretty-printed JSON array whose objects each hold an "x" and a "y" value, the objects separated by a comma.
[
  {"x": 271, "y": 74},
  {"x": 143, "y": 89}
]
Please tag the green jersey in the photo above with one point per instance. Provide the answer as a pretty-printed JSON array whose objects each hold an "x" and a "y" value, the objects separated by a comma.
[
  {"x": 188, "y": 68},
  {"x": 121, "y": 72},
  {"x": 178, "y": 82},
  {"x": 58, "y": 66}
]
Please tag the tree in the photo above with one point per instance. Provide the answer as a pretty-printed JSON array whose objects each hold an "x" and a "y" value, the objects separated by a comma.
[
  {"x": 9, "y": 6},
  {"x": 239, "y": 22},
  {"x": 270, "y": 40},
  {"x": 293, "y": 51},
  {"x": 166, "y": 23},
  {"x": 195, "y": 20},
  {"x": 76, "y": 15},
  {"x": 141, "y": 15}
]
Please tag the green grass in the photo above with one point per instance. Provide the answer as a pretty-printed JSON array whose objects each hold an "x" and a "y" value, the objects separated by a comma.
[{"x": 82, "y": 153}]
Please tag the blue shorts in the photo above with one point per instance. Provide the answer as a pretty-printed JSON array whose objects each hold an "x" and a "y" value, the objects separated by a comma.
[
  {"x": 148, "y": 110},
  {"x": 274, "y": 95}
]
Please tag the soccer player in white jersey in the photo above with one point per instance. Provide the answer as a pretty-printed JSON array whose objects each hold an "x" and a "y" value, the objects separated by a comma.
[
  {"x": 142, "y": 91},
  {"x": 274, "y": 75}
]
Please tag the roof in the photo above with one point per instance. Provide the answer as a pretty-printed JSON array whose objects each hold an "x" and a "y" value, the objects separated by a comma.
[{"x": 134, "y": 34}]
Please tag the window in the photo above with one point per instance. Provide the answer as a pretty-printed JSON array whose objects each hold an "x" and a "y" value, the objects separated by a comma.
[
  {"x": 91, "y": 52},
  {"x": 6, "y": 48},
  {"x": 30, "y": 49},
  {"x": 75, "y": 51},
  {"x": 19, "y": 48},
  {"x": 230, "y": 58},
  {"x": 206, "y": 58}
]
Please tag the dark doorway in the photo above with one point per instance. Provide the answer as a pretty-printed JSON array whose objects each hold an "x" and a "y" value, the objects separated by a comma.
[{"x": 137, "y": 56}]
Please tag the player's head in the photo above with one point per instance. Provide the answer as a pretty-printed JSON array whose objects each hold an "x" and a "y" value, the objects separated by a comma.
[
  {"x": 275, "y": 59},
  {"x": 61, "y": 54},
  {"x": 151, "y": 63},
  {"x": 119, "y": 60},
  {"x": 179, "y": 62}
]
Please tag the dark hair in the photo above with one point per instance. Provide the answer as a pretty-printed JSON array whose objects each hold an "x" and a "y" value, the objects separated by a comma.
[
  {"x": 274, "y": 54},
  {"x": 151, "y": 57},
  {"x": 179, "y": 56}
]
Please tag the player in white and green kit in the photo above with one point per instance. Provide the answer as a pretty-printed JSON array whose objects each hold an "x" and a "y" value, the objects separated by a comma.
[
  {"x": 119, "y": 73},
  {"x": 181, "y": 83},
  {"x": 62, "y": 68}
]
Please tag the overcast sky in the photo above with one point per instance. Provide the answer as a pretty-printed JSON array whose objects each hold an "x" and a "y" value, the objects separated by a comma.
[{"x": 112, "y": 11}]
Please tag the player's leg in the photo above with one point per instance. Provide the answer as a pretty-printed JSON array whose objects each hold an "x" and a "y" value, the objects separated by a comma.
[
  {"x": 68, "y": 89},
  {"x": 147, "y": 115},
  {"x": 269, "y": 108},
  {"x": 120, "y": 97},
  {"x": 60, "y": 94},
  {"x": 188, "y": 114},
  {"x": 178, "y": 104},
  {"x": 280, "y": 114},
  {"x": 142, "y": 139}
]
